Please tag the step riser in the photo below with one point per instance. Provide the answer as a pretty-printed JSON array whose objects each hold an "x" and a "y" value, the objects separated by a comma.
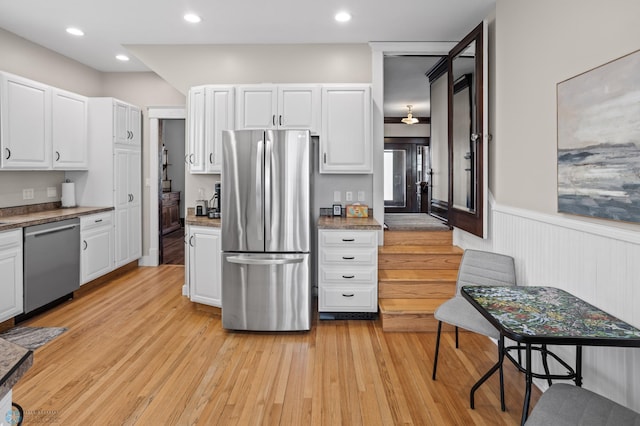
[
  {"x": 439, "y": 238},
  {"x": 409, "y": 290},
  {"x": 424, "y": 323},
  {"x": 420, "y": 261}
]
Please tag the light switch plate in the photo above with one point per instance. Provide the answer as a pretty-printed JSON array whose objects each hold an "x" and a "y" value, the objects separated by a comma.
[
  {"x": 27, "y": 194},
  {"x": 52, "y": 192},
  {"x": 336, "y": 196},
  {"x": 348, "y": 196},
  {"x": 360, "y": 195}
]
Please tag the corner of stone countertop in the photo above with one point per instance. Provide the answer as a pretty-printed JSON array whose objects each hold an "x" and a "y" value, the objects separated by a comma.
[
  {"x": 354, "y": 223},
  {"x": 192, "y": 219},
  {"x": 14, "y": 363},
  {"x": 21, "y": 219}
]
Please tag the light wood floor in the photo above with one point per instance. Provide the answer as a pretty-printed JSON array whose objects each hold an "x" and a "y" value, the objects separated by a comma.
[{"x": 137, "y": 352}]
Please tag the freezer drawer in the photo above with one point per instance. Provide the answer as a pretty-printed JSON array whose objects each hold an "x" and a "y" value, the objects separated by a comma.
[{"x": 266, "y": 292}]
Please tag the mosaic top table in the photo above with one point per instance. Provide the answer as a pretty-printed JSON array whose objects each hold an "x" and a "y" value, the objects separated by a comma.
[{"x": 546, "y": 315}]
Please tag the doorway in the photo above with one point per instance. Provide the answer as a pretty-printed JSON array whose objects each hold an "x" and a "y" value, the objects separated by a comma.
[
  {"x": 406, "y": 178},
  {"x": 171, "y": 209}
]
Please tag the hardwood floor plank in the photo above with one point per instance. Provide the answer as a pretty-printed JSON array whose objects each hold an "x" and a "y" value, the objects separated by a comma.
[{"x": 137, "y": 352}]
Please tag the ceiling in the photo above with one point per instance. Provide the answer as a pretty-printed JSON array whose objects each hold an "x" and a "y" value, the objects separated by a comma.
[{"x": 110, "y": 26}]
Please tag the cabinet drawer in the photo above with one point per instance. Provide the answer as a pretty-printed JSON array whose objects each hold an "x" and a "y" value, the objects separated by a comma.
[
  {"x": 360, "y": 256},
  {"x": 348, "y": 276},
  {"x": 348, "y": 298},
  {"x": 348, "y": 238},
  {"x": 11, "y": 238},
  {"x": 96, "y": 220}
]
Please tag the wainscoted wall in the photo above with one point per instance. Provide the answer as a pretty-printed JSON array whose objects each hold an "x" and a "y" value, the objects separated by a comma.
[{"x": 600, "y": 264}]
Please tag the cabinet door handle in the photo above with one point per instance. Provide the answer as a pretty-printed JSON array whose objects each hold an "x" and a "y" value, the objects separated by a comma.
[
  {"x": 348, "y": 240},
  {"x": 347, "y": 294},
  {"x": 8, "y": 153},
  {"x": 348, "y": 276},
  {"x": 280, "y": 120},
  {"x": 57, "y": 155},
  {"x": 186, "y": 159},
  {"x": 85, "y": 244},
  {"x": 211, "y": 158},
  {"x": 348, "y": 257},
  {"x": 325, "y": 158},
  {"x": 273, "y": 119},
  {"x": 191, "y": 241},
  {"x": 191, "y": 157},
  {"x": 97, "y": 221}
]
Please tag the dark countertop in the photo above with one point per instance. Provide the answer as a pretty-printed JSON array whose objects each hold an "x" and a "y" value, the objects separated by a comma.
[
  {"x": 14, "y": 362},
  {"x": 192, "y": 219},
  {"x": 13, "y": 221},
  {"x": 353, "y": 223}
]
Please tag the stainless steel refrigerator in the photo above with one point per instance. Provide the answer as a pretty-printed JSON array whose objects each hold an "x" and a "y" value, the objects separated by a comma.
[{"x": 266, "y": 234}]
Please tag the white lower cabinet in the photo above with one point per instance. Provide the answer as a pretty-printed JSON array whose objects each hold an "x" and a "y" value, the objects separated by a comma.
[
  {"x": 96, "y": 245},
  {"x": 11, "y": 278},
  {"x": 205, "y": 265},
  {"x": 347, "y": 271}
]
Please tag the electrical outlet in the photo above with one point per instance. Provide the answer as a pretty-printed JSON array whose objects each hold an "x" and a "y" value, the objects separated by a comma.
[
  {"x": 52, "y": 192},
  {"x": 27, "y": 194},
  {"x": 336, "y": 196},
  {"x": 360, "y": 195},
  {"x": 348, "y": 196}
]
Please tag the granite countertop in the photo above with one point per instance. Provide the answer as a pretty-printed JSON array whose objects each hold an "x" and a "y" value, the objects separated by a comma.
[
  {"x": 192, "y": 219},
  {"x": 14, "y": 362},
  {"x": 15, "y": 218},
  {"x": 357, "y": 223}
]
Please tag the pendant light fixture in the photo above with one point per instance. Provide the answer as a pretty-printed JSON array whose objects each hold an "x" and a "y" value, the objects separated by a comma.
[{"x": 410, "y": 119}]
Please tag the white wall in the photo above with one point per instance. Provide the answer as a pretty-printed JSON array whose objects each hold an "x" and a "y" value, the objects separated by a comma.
[{"x": 537, "y": 45}]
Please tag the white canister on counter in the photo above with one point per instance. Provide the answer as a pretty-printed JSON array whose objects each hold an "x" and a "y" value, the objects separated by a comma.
[{"x": 68, "y": 194}]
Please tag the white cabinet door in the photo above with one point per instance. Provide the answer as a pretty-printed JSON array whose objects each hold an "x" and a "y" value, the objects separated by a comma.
[
  {"x": 299, "y": 107},
  {"x": 205, "y": 265},
  {"x": 219, "y": 113},
  {"x": 11, "y": 284},
  {"x": 257, "y": 107},
  {"x": 97, "y": 246},
  {"x": 126, "y": 124},
  {"x": 345, "y": 145},
  {"x": 288, "y": 106},
  {"x": 196, "y": 130},
  {"x": 25, "y": 119},
  {"x": 127, "y": 205},
  {"x": 69, "y": 130}
]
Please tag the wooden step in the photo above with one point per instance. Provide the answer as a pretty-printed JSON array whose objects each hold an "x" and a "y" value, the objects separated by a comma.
[
  {"x": 417, "y": 283},
  {"x": 419, "y": 257},
  {"x": 431, "y": 238},
  {"x": 414, "y": 315}
]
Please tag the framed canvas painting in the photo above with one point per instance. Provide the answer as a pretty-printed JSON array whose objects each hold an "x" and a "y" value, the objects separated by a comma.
[{"x": 599, "y": 141}]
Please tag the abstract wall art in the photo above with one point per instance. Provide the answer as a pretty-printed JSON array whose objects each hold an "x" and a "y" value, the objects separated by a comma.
[{"x": 599, "y": 141}]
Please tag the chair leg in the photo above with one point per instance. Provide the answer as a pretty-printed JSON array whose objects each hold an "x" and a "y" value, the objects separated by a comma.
[
  {"x": 501, "y": 360},
  {"x": 456, "y": 337},
  {"x": 435, "y": 359}
]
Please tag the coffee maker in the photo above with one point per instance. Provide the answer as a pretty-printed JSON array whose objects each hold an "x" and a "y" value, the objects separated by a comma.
[{"x": 214, "y": 212}]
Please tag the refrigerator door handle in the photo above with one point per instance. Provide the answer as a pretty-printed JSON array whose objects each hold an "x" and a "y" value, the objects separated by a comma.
[
  {"x": 267, "y": 188},
  {"x": 259, "y": 260},
  {"x": 259, "y": 173}
]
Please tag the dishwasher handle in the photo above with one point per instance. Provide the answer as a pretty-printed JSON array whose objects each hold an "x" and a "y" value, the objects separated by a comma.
[{"x": 50, "y": 231}]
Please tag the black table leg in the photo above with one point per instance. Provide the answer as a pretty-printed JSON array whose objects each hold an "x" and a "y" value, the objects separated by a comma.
[
  {"x": 529, "y": 381},
  {"x": 496, "y": 366},
  {"x": 578, "y": 379}
]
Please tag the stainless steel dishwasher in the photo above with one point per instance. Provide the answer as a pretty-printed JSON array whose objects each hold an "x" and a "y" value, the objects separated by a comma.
[{"x": 51, "y": 262}]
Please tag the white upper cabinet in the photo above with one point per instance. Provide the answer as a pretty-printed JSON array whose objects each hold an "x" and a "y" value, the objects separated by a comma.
[
  {"x": 126, "y": 124},
  {"x": 42, "y": 127},
  {"x": 287, "y": 106},
  {"x": 69, "y": 130},
  {"x": 346, "y": 145},
  {"x": 25, "y": 120},
  {"x": 210, "y": 111}
]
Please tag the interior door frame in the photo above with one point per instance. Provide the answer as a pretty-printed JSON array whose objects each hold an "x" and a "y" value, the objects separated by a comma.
[{"x": 378, "y": 51}]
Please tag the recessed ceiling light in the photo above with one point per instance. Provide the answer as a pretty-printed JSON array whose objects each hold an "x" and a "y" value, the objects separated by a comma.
[
  {"x": 75, "y": 31},
  {"x": 192, "y": 17},
  {"x": 123, "y": 58},
  {"x": 343, "y": 16}
]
